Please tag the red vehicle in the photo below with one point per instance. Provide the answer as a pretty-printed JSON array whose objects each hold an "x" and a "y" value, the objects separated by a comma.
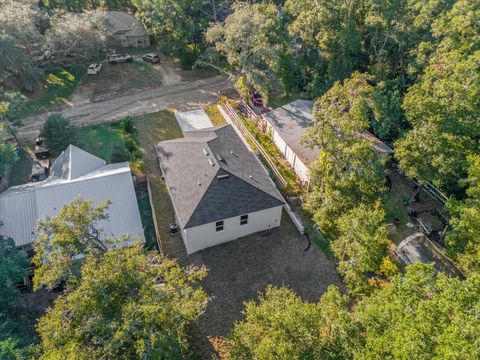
[{"x": 255, "y": 97}]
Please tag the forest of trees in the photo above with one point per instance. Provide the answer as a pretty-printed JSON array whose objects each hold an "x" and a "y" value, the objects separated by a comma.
[{"x": 408, "y": 71}]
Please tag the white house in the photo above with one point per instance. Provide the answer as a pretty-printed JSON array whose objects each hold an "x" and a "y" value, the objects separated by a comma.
[
  {"x": 219, "y": 189},
  {"x": 287, "y": 125},
  {"x": 74, "y": 174}
]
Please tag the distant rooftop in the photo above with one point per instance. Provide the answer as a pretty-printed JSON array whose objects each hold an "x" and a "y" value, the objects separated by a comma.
[
  {"x": 122, "y": 22},
  {"x": 292, "y": 120}
]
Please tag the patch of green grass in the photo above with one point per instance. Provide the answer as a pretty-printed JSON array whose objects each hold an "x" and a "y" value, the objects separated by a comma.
[
  {"x": 293, "y": 186},
  {"x": 215, "y": 116},
  {"x": 278, "y": 100},
  {"x": 151, "y": 129},
  {"x": 146, "y": 215},
  {"x": 58, "y": 86},
  {"x": 100, "y": 140}
]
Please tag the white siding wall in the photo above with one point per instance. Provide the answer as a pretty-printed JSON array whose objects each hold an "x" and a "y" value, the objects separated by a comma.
[
  {"x": 300, "y": 168},
  {"x": 204, "y": 236}
]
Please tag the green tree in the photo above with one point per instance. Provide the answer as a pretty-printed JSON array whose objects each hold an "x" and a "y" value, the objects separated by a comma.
[
  {"x": 21, "y": 27},
  {"x": 329, "y": 30},
  {"x": 283, "y": 326},
  {"x": 443, "y": 106},
  {"x": 63, "y": 239},
  {"x": 58, "y": 134},
  {"x": 13, "y": 268},
  {"x": 253, "y": 39},
  {"x": 361, "y": 246},
  {"x": 463, "y": 243},
  {"x": 129, "y": 304},
  {"x": 8, "y": 155},
  {"x": 395, "y": 30},
  {"x": 421, "y": 315},
  {"x": 179, "y": 25},
  {"x": 349, "y": 171},
  {"x": 73, "y": 38}
]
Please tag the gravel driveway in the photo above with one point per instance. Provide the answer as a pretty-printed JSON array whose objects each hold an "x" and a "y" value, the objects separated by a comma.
[
  {"x": 181, "y": 96},
  {"x": 238, "y": 270}
]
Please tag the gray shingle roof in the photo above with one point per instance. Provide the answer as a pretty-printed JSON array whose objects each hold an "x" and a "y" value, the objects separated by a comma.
[
  {"x": 201, "y": 193},
  {"x": 292, "y": 120},
  {"x": 121, "y": 22}
]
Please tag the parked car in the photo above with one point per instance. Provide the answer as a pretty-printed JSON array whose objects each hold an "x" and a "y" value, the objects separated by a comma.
[
  {"x": 151, "y": 58},
  {"x": 94, "y": 69},
  {"x": 255, "y": 97},
  {"x": 119, "y": 58}
]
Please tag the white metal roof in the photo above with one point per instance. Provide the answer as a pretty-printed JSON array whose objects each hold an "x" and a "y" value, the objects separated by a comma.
[{"x": 21, "y": 206}]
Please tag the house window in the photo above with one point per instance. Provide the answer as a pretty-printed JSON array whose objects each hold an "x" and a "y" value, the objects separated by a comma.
[
  {"x": 219, "y": 226},
  {"x": 244, "y": 220},
  {"x": 139, "y": 42}
]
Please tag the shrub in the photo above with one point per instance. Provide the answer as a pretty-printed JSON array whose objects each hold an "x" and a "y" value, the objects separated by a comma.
[
  {"x": 128, "y": 126},
  {"x": 120, "y": 153}
]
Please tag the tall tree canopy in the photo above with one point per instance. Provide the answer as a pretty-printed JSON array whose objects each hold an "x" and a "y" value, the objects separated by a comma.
[
  {"x": 463, "y": 243},
  {"x": 283, "y": 326},
  {"x": 62, "y": 239},
  {"x": 13, "y": 268},
  {"x": 361, "y": 246},
  {"x": 254, "y": 41},
  {"x": 443, "y": 106},
  {"x": 349, "y": 170},
  {"x": 129, "y": 304},
  {"x": 59, "y": 134},
  {"x": 421, "y": 314},
  {"x": 179, "y": 24}
]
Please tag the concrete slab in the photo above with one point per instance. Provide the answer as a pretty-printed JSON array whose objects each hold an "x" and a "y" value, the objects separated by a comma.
[{"x": 193, "y": 120}]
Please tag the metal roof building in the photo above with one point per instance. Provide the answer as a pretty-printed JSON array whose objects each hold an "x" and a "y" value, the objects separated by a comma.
[{"x": 75, "y": 174}]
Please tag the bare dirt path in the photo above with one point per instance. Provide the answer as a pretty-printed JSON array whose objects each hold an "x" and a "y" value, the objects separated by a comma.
[{"x": 181, "y": 96}]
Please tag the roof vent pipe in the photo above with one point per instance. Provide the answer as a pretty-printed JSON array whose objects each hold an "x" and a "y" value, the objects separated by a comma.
[
  {"x": 210, "y": 161},
  {"x": 205, "y": 151}
]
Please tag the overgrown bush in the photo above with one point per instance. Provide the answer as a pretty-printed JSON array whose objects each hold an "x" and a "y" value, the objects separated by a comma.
[
  {"x": 120, "y": 153},
  {"x": 127, "y": 125}
]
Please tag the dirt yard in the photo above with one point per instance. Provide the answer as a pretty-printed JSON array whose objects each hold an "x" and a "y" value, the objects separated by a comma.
[{"x": 239, "y": 269}]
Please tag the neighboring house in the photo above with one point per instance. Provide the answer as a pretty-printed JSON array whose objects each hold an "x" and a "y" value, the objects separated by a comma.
[
  {"x": 126, "y": 30},
  {"x": 419, "y": 248},
  {"x": 219, "y": 189},
  {"x": 74, "y": 174},
  {"x": 287, "y": 125}
]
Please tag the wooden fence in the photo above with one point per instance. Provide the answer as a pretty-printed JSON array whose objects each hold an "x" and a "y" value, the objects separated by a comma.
[{"x": 240, "y": 125}]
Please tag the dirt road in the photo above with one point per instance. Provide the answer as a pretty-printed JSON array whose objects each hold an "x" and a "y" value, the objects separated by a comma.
[{"x": 181, "y": 96}]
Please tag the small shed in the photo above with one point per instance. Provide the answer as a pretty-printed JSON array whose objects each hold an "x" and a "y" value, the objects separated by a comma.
[{"x": 418, "y": 247}]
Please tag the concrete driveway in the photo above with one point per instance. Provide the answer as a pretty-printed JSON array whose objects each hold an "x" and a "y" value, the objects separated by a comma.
[
  {"x": 238, "y": 270},
  {"x": 193, "y": 120}
]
